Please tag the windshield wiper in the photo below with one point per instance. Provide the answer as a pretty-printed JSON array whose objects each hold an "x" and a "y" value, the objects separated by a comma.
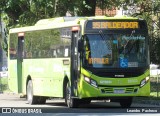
[
  {"x": 128, "y": 40},
  {"x": 104, "y": 39},
  {"x": 129, "y": 37}
]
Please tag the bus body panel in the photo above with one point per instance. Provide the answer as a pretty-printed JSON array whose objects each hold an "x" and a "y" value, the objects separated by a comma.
[
  {"x": 48, "y": 74},
  {"x": 12, "y": 75}
]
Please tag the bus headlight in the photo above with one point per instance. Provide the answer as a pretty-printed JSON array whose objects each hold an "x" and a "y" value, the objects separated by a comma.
[
  {"x": 144, "y": 81},
  {"x": 91, "y": 81}
]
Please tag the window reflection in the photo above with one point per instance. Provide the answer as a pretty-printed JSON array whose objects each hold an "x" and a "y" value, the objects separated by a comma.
[
  {"x": 115, "y": 50},
  {"x": 43, "y": 44}
]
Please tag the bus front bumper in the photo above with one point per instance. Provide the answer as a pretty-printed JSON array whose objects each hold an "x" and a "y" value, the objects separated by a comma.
[{"x": 86, "y": 90}]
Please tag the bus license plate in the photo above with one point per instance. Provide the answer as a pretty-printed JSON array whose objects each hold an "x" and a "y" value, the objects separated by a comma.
[{"x": 119, "y": 91}]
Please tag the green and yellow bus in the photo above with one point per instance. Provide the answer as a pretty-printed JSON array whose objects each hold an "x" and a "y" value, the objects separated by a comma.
[{"x": 80, "y": 59}]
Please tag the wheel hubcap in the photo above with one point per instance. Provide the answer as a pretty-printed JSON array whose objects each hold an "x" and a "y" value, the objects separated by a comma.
[
  {"x": 68, "y": 95},
  {"x": 29, "y": 95}
]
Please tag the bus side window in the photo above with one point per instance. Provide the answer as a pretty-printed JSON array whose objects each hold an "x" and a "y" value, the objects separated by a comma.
[
  {"x": 66, "y": 51},
  {"x": 54, "y": 53},
  {"x": 29, "y": 54},
  {"x": 13, "y": 53}
]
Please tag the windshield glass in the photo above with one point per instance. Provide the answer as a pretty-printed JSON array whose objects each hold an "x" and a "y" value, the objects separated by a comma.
[{"x": 114, "y": 50}]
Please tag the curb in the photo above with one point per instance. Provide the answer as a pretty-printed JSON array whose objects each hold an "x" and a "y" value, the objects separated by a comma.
[{"x": 147, "y": 101}]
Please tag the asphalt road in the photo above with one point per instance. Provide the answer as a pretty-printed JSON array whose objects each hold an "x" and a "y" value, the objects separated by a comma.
[{"x": 56, "y": 106}]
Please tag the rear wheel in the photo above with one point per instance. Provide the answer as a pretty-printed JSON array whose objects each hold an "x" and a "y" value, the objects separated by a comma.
[
  {"x": 126, "y": 103},
  {"x": 30, "y": 97},
  {"x": 70, "y": 102}
]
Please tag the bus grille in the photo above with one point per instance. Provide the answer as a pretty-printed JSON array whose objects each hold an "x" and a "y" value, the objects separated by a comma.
[{"x": 119, "y": 90}]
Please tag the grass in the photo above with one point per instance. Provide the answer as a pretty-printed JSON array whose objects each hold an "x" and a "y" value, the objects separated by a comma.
[
  {"x": 155, "y": 94},
  {"x": 3, "y": 80},
  {"x": 3, "y": 84}
]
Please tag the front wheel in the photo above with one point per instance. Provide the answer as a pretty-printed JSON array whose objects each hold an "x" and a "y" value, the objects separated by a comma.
[
  {"x": 30, "y": 97},
  {"x": 126, "y": 103},
  {"x": 70, "y": 102}
]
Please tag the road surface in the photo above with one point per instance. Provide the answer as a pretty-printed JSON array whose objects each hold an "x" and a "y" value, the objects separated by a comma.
[{"x": 10, "y": 100}]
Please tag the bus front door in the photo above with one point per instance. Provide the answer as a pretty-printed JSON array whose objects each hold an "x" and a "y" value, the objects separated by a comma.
[
  {"x": 20, "y": 61},
  {"x": 74, "y": 63}
]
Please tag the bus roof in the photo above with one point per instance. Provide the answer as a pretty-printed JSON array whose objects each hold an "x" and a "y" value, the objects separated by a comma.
[{"x": 64, "y": 22}]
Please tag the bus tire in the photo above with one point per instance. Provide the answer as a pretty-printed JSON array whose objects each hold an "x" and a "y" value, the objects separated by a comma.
[
  {"x": 30, "y": 97},
  {"x": 41, "y": 100},
  {"x": 126, "y": 103},
  {"x": 85, "y": 101},
  {"x": 70, "y": 102}
]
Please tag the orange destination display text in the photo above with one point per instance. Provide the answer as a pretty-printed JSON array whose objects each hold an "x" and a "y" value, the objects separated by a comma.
[
  {"x": 98, "y": 61},
  {"x": 114, "y": 25}
]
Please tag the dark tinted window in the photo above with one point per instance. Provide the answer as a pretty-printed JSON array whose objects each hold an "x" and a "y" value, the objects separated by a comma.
[
  {"x": 13, "y": 46},
  {"x": 54, "y": 43},
  {"x": 46, "y": 44}
]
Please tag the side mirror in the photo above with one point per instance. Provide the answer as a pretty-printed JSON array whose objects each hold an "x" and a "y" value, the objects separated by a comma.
[{"x": 80, "y": 45}]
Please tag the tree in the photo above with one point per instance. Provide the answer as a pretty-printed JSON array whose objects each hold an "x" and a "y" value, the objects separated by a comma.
[
  {"x": 27, "y": 12},
  {"x": 86, "y": 8},
  {"x": 150, "y": 11}
]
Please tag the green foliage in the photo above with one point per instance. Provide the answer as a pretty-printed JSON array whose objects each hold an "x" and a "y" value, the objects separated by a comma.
[
  {"x": 150, "y": 11},
  {"x": 85, "y": 8},
  {"x": 18, "y": 13},
  {"x": 28, "y": 18},
  {"x": 109, "y": 4},
  {"x": 5, "y": 47},
  {"x": 22, "y": 12},
  {"x": 62, "y": 6},
  {"x": 4, "y": 84}
]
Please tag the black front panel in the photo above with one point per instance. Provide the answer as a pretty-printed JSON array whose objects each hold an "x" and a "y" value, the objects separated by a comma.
[{"x": 118, "y": 73}]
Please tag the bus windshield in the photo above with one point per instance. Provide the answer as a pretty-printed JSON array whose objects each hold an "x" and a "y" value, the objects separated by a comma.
[{"x": 114, "y": 50}]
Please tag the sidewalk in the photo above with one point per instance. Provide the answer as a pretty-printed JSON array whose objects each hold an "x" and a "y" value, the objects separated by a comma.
[{"x": 147, "y": 100}]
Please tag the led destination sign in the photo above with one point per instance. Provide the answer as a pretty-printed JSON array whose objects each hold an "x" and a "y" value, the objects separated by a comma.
[
  {"x": 114, "y": 25},
  {"x": 98, "y": 61}
]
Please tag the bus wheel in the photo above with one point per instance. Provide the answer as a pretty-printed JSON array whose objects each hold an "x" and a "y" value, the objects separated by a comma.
[
  {"x": 126, "y": 103},
  {"x": 70, "y": 102},
  {"x": 30, "y": 97},
  {"x": 85, "y": 101},
  {"x": 41, "y": 100}
]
